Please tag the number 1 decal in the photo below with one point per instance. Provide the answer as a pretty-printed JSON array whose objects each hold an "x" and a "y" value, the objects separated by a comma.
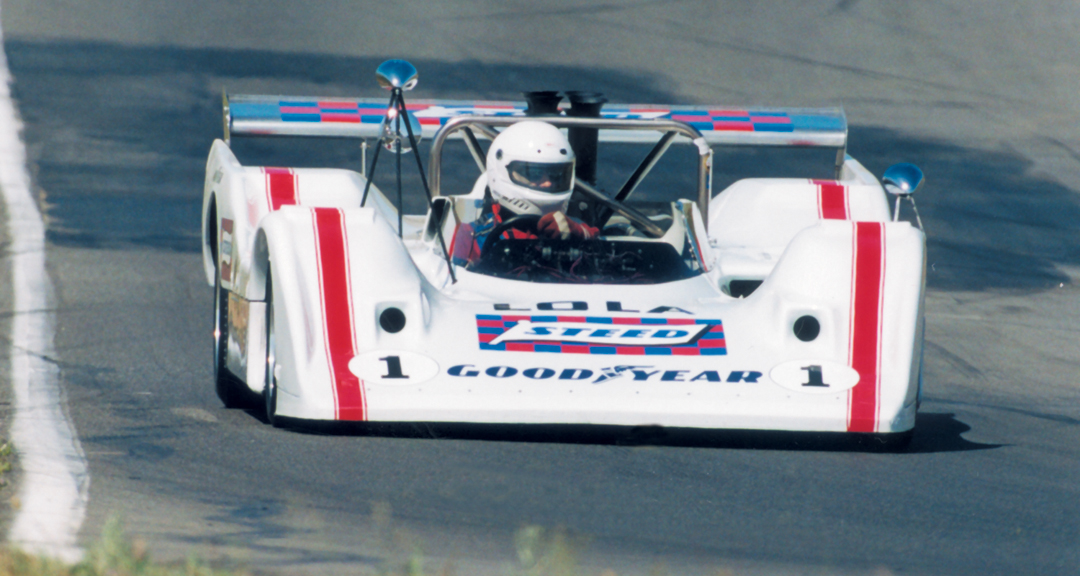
[
  {"x": 816, "y": 380},
  {"x": 393, "y": 367},
  {"x": 807, "y": 376}
]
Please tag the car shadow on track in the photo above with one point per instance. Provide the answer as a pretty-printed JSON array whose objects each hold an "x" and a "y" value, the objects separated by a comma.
[{"x": 934, "y": 432}]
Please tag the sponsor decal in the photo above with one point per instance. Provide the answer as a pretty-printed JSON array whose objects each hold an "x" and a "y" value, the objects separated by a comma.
[
  {"x": 627, "y": 373},
  {"x": 815, "y": 376},
  {"x": 583, "y": 332},
  {"x": 239, "y": 312},
  {"x": 616, "y": 372},
  {"x": 632, "y": 336},
  {"x": 580, "y": 306},
  {"x": 225, "y": 251}
]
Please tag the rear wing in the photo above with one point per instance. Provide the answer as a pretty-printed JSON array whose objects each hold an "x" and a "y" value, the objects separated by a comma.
[{"x": 362, "y": 118}]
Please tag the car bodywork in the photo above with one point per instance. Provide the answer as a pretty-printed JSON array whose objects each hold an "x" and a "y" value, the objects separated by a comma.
[{"x": 793, "y": 304}]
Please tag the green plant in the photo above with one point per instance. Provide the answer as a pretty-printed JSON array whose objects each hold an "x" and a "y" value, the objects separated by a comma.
[
  {"x": 540, "y": 552},
  {"x": 548, "y": 552},
  {"x": 7, "y": 458},
  {"x": 403, "y": 553},
  {"x": 114, "y": 554}
]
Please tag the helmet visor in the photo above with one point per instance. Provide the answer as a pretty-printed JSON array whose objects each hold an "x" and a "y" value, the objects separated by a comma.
[{"x": 544, "y": 177}]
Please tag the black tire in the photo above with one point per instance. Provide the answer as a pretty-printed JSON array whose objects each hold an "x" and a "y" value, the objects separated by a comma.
[
  {"x": 229, "y": 388},
  {"x": 270, "y": 389}
]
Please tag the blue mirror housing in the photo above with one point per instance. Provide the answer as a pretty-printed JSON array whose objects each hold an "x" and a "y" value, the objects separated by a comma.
[
  {"x": 396, "y": 74},
  {"x": 902, "y": 179}
]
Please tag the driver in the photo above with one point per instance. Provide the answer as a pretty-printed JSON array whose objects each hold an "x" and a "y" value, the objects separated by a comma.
[{"x": 530, "y": 171}]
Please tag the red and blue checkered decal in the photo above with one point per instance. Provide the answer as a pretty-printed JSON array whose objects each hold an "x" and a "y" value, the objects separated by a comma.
[
  {"x": 437, "y": 114},
  {"x": 711, "y": 342}
]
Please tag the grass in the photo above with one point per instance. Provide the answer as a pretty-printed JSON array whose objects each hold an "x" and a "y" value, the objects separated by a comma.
[
  {"x": 548, "y": 552},
  {"x": 7, "y": 457},
  {"x": 540, "y": 552},
  {"x": 113, "y": 555}
]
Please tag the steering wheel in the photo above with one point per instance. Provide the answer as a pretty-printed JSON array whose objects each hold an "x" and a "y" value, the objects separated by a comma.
[{"x": 524, "y": 222}]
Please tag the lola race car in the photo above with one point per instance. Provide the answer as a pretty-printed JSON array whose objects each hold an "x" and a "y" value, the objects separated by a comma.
[{"x": 779, "y": 304}]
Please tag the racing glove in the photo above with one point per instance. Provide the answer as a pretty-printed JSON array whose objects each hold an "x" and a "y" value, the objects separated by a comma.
[{"x": 559, "y": 225}]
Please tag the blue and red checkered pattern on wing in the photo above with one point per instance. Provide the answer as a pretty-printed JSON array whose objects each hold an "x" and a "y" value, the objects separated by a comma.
[
  {"x": 490, "y": 326},
  {"x": 342, "y": 112},
  {"x": 369, "y": 113},
  {"x": 437, "y": 113},
  {"x": 737, "y": 120}
]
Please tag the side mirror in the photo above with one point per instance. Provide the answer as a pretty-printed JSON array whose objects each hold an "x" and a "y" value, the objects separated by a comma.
[
  {"x": 396, "y": 74},
  {"x": 902, "y": 179}
]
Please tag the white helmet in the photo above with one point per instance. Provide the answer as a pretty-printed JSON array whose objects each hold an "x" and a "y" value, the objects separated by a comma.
[{"x": 530, "y": 168}]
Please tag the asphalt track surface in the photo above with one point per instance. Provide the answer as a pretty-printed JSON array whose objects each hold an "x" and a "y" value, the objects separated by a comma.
[{"x": 122, "y": 99}]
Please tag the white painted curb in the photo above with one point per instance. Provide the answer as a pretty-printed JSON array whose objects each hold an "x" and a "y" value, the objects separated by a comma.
[{"x": 55, "y": 479}]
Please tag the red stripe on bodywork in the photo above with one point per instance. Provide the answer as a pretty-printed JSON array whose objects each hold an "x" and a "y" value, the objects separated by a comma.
[
  {"x": 867, "y": 289},
  {"x": 281, "y": 187},
  {"x": 832, "y": 200},
  {"x": 332, "y": 256}
]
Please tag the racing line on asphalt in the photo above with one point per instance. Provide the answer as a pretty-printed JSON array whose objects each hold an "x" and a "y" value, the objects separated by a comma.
[{"x": 55, "y": 480}]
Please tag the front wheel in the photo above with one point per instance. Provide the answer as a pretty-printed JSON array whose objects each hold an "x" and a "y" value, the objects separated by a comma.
[{"x": 270, "y": 390}]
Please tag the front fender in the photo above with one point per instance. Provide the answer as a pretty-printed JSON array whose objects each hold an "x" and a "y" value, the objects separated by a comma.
[
  {"x": 335, "y": 272},
  {"x": 222, "y": 179},
  {"x": 864, "y": 284}
]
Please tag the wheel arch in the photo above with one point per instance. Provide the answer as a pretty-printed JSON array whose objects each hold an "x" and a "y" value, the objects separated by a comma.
[
  {"x": 260, "y": 264},
  {"x": 210, "y": 239}
]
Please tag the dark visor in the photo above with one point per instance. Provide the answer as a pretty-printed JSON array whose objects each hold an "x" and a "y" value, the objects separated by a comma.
[{"x": 555, "y": 178}]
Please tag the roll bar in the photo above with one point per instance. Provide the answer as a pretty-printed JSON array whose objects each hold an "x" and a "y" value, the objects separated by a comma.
[{"x": 487, "y": 125}]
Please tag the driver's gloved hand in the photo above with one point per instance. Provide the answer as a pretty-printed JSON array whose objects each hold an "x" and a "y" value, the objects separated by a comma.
[{"x": 559, "y": 225}]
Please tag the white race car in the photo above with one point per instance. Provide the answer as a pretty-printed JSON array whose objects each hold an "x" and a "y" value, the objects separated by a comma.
[{"x": 779, "y": 304}]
